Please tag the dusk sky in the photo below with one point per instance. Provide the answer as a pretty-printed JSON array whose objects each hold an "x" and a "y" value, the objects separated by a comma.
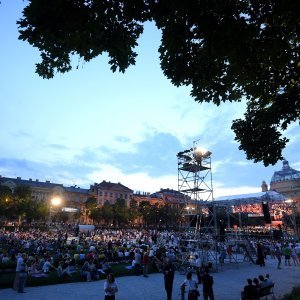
[{"x": 91, "y": 125}]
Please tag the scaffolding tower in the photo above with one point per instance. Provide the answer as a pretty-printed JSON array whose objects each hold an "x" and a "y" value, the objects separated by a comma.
[{"x": 195, "y": 182}]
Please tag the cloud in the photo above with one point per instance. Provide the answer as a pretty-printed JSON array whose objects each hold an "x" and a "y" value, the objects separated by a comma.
[
  {"x": 155, "y": 155},
  {"x": 139, "y": 181},
  {"x": 57, "y": 146},
  {"x": 21, "y": 134}
]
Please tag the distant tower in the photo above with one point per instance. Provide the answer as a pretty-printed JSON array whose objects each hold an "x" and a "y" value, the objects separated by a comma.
[{"x": 264, "y": 186}]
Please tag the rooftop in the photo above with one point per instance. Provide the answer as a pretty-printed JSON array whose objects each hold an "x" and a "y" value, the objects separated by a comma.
[{"x": 286, "y": 173}]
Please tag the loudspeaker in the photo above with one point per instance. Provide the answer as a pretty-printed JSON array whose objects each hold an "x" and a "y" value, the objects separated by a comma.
[{"x": 265, "y": 208}]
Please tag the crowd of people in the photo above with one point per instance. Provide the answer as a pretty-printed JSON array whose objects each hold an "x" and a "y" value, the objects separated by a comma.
[{"x": 91, "y": 254}]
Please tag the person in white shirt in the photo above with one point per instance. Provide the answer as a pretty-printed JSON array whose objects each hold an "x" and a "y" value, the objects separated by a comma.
[
  {"x": 5, "y": 258},
  {"x": 47, "y": 265},
  {"x": 192, "y": 287},
  {"x": 110, "y": 287}
]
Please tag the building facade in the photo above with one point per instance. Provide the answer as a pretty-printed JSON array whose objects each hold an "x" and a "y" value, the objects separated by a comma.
[
  {"x": 287, "y": 182},
  {"x": 73, "y": 197},
  {"x": 107, "y": 191}
]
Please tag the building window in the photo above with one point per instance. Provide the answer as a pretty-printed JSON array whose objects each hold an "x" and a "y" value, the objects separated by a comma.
[
  {"x": 125, "y": 196},
  {"x": 105, "y": 194},
  {"x": 111, "y": 194},
  {"x": 100, "y": 193}
]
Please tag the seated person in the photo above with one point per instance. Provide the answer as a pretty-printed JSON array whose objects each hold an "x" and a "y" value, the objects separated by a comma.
[
  {"x": 63, "y": 270},
  {"x": 47, "y": 266},
  {"x": 262, "y": 282},
  {"x": 86, "y": 272},
  {"x": 106, "y": 267},
  {"x": 250, "y": 292},
  {"x": 72, "y": 265},
  {"x": 268, "y": 280},
  {"x": 256, "y": 283},
  {"x": 33, "y": 271}
]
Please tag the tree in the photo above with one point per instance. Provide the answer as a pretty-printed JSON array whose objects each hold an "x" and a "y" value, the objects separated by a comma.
[
  {"x": 144, "y": 210},
  {"x": 60, "y": 216},
  {"x": 121, "y": 212},
  {"x": 5, "y": 200},
  {"x": 22, "y": 201},
  {"x": 39, "y": 211},
  {"x": 96, "y": 214},
  {"x": 224, "y": 50},
  {"x": 133, "y": 210},
  {"x": 107, "y": 212},
  {"x": 91, "y": 203}
]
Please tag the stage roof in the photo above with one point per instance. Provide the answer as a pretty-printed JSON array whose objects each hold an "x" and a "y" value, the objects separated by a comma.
[{"x": 253, "y": 197}]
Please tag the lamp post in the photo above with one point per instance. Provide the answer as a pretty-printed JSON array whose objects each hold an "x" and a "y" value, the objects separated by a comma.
[{"x": 54, "y": 202}]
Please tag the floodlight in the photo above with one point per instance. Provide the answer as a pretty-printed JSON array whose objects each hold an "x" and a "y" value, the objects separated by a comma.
[
  {"x": 200, "y": 153},
  {"x": 56, "y": 201}
]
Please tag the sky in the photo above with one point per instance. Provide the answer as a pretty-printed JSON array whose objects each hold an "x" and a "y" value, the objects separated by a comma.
[{"x": 91, "y": 125}]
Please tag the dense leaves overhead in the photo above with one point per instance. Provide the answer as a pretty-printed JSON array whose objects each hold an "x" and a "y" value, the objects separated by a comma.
[
  {"x": 225, "y": 50},
  {"x": 62, "y": 28}
]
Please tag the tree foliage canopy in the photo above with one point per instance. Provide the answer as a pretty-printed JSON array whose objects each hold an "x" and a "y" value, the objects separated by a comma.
[{"x": 224, "y": 49}]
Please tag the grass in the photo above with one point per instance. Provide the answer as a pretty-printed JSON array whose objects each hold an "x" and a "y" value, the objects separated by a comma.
[{"x": 7, "y": 279}]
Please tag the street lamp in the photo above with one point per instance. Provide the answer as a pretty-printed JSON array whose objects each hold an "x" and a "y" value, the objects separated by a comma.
[{"x": 54, "y": 202}]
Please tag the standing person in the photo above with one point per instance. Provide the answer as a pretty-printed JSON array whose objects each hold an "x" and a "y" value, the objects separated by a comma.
[
  {"x": 192, "y": 287},
  {"x": 110, "y": 287},
  {"x": 22, "y": 277},
  {"x": 260, "y": 255},
  {"x": 145, "y": 263},
  {"x": 229, "y": 252},
  {"x": 286, "y": 250},
  {"x": 294, "y": 255},
  {"x": 137, "y": 262},
  {"x": 278, "y": 255},
  {"x": 207, "y": 282},
  {"x": 169, "y": 272},
  {"x": 20, "y": 260}
]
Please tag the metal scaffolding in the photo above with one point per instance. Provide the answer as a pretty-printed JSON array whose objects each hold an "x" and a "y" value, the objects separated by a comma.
[
  {"x": 204, "y": 233},
  {"x": 195, "y": 182}
]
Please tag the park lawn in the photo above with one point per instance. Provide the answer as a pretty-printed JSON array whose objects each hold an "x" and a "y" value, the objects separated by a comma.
[{"x": 7, "y": 278}]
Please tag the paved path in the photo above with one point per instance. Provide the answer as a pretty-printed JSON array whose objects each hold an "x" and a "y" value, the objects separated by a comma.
[{"x": 228, "y": 284}]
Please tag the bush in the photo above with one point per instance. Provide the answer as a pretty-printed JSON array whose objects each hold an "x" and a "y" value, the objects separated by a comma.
[{"x": 295, "y": 295}]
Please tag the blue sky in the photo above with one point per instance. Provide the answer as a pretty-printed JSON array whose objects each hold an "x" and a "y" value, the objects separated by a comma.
[{"x": 91, "y": 124}]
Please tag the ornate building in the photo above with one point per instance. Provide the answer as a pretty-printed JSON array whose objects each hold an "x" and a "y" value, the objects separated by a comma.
[{"x": 287, "y": 182}]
